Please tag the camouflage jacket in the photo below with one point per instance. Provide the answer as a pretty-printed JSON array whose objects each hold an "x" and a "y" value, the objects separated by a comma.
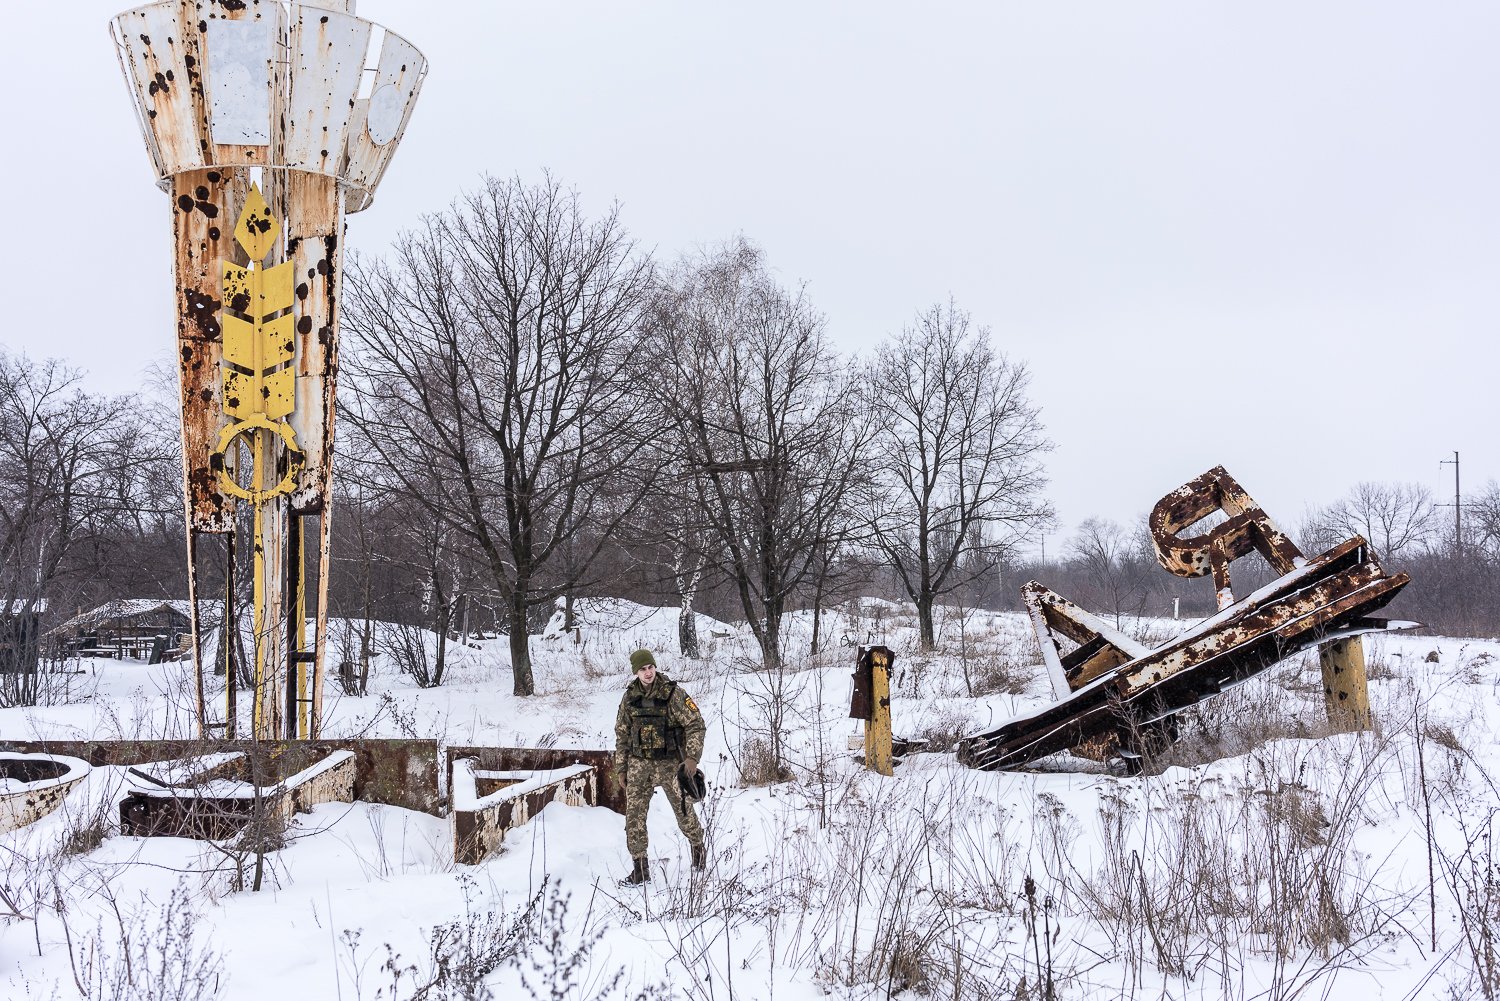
[{"x": 680, "y": 713}]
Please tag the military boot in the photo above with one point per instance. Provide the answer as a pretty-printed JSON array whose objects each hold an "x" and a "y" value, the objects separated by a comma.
[
  {"x": 700, "y": 857},
  {"x": 638, "y": 875}
]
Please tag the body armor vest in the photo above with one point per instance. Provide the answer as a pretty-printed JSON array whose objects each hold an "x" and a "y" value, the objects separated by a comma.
[{"x": 650, "y": 735}]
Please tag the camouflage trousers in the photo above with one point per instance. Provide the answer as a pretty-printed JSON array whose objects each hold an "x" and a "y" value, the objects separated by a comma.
[{"x": 642, "y": 776}]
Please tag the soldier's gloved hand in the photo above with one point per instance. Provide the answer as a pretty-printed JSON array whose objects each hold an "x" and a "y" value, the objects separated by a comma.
[{"x": 689, "y": 767}]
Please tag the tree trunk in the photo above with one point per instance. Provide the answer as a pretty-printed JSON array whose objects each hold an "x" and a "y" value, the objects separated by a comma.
[
  {"x": 687, "y": 590},
  {"x": 445, "y": 612},
  {"x": 463, "y": 619},
  {"x": 927, "y": 634},
  {"x": 770, "y": 642},
  {"x": 687, "y": 629},
  {"x": 520, "y": 646},
  {"x": 822, "y": 575}
]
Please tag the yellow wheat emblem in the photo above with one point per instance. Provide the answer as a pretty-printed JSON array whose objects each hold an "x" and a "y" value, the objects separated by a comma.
[{"x": 259, "y": 351}]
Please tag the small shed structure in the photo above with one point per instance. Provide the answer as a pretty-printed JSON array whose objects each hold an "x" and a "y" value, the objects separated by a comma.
[{"x": 149, "y": 629}]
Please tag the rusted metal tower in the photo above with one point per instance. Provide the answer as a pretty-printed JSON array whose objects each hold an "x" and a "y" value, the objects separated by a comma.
[{"x": 306, "y": 104}]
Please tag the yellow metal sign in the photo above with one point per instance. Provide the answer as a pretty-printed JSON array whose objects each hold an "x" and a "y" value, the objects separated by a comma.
[{"x": 259, "y": 352}]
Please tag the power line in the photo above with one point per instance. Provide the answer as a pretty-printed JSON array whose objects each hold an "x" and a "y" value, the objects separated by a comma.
[{"x": 1457, "y": 506}]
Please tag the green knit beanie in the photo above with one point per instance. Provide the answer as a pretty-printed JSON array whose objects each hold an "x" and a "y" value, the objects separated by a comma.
[{"x": 640, "y": 659}]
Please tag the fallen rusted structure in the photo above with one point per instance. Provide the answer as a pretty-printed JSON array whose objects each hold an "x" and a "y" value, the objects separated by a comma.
[
  {"x": 1116, "y": 697},
  {"x": 33, "y": 785},
  {"x": 266, "y": 122}
]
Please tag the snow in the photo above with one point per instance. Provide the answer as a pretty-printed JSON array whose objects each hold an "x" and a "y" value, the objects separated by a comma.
[
  {"x": 466, "y": 798},
  {"x": 1268, "y": 858}
]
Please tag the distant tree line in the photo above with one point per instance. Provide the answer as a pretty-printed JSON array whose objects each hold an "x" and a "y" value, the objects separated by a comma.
[{"x": 533, "y": 411}]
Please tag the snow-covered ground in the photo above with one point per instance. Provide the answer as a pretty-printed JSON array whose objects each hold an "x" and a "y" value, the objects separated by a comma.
[{"x": 1260, "y": 858}]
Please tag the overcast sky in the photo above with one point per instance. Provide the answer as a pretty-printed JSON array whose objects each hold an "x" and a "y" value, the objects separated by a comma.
[{"x": 1263, "y": 235}]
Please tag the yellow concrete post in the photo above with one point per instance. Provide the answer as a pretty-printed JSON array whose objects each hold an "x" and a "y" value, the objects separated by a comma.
[
  {"x": 878, "y": 756},
  {"x": 1346, "y": 689}
]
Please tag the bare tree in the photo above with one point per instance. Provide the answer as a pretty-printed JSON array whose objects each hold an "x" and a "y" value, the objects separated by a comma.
[
  {"x": 1482, "y": 514},
  {"x": 1115, "y": 565},
  {"x": 1395, "y": 518},
  {"x": 960, "y": 456},
  {"x": 72, "y": 471},
  {"x": 497, "y": 385},
  {"x": 769, "y": 427}
]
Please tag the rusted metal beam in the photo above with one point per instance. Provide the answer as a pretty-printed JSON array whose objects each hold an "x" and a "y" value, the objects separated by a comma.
[{"x": 1099, "y": 647}]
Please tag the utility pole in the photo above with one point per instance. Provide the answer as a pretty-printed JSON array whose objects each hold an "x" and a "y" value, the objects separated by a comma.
[{"x": 1457, "y": 505}]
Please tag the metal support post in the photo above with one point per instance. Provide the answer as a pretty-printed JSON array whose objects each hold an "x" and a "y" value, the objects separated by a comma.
[
  {"x": 878, "y": 757},
  {"x": 1346, "y": 688}
]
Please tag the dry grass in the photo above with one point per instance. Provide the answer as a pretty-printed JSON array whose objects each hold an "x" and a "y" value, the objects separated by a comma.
[{"x": 758, "y": 763}]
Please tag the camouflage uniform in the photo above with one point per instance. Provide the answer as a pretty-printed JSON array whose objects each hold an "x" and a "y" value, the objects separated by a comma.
[{"x": 654, "y": 728}]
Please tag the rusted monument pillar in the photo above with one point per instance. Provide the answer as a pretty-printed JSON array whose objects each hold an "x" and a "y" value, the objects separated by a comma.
[{"x": 266, "y": 121}]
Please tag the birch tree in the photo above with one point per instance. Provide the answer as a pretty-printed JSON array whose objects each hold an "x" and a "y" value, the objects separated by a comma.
[{"x": 769, "y": 427}]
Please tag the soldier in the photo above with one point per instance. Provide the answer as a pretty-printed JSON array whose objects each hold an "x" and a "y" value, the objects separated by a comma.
[{"x": 658, "y": 731}]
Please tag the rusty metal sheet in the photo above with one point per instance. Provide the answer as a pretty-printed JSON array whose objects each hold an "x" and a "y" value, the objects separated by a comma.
[
  {"x": 379, "y": 121},
  {"x": 238, "y": 79},
  {"x": 207, "y": 94},
  {"x": 160, "y": 53},
  {"x": 203, "y": 237},
  {"x": 327, "y": 58},
  {"x": 315, "y": 250}
]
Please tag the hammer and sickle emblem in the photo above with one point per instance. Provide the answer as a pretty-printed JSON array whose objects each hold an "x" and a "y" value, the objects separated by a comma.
[{"x": 1247, "y": 529}]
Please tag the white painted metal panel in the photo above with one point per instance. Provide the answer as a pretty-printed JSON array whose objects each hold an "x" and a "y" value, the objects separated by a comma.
[
  {"x": 379, "y": 123},
  {"x": 327, "y": 59},
  {"x": 239, "y": 79},
  {"x": 154, "y": 49}
]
